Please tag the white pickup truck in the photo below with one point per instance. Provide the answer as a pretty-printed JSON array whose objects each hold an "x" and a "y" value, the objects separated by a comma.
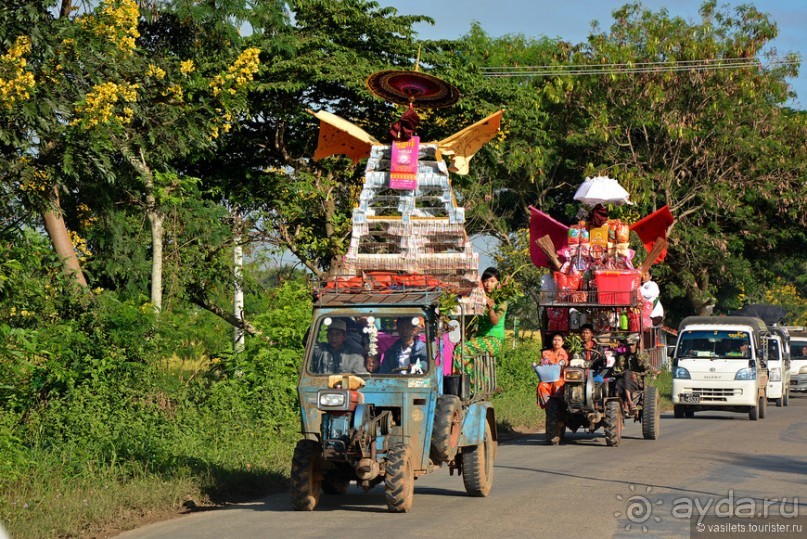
[
  {"x": 798, "y": 359},
  {"x": 779, "y": 365},
  {"x": 720, "y": 363}
]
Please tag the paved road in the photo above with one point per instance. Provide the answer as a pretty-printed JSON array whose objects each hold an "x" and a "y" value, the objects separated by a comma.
[{"x": 579, "y": 489}]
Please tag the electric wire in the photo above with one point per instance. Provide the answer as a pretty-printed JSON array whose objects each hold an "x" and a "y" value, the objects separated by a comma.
[{"x": 631, "y": 68}]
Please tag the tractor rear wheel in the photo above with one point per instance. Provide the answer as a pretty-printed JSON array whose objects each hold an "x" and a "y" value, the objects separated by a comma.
[
  {"x": 399, "y": 480},
  {"x": 651, "y": 414},
  {"x": 477, "y": 465},
  {"x": 613, "y": 423},
  {"x": 306, "y": 475},
  {"x": 447, "y": 428}
]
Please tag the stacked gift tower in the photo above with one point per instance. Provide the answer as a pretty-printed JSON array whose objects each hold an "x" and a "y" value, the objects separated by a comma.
[{"x": 413, "y": 228}]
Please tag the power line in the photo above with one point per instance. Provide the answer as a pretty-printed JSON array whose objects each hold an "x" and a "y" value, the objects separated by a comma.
[{"x": 630, "y": 68}]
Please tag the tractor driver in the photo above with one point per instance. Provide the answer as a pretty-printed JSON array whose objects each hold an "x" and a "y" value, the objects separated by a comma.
[
  {"x": 336, "y": 355},
  {"x": 630, "y": 364}
]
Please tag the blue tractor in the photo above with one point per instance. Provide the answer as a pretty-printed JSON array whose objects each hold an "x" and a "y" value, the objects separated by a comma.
[{"x": 379, "y": 402}]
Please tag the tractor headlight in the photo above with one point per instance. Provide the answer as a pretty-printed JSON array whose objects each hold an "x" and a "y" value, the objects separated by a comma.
[
  {"x": 573, "y": 375},
  {"x": 332, "y": 400}
]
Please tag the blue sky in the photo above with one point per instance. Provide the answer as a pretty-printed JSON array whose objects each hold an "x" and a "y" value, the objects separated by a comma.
[{"x": 571, "y": 20}]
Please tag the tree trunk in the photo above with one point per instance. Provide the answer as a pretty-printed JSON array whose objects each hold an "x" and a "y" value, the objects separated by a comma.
[
  {"x": 156, "y": 218},
  {"x": 697, "y": 291},
  {"x": 238, "y": 272},
  {"x": 60, "y": 239}
]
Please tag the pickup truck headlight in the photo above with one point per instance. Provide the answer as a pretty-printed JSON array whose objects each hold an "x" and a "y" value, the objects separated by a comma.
[
  {"x": 775, "y": 375},
  {"x": 332, "y": 400},
  {"x": 746, "y": 374},
  {"x": 681, "y": 373},
  {"x": 803, "y": 370}
]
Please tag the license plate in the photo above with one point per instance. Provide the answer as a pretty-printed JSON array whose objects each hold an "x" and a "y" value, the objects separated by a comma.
[{"x": 689, "y": 397}]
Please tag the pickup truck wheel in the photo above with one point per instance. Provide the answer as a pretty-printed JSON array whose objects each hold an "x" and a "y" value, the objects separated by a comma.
[
  {"x": 651, "y": 414},
  {"x": 477, "y": 465},
  {"x": 447, "y": 428},
  {"x": 753, "y": 412},
  {"x": 689, "y": 413},
  {"x": 763, "y": 406},
  {"x": 779, "y": 402},
  {"x": 399, "y": 480},
  {"x": 613, "y": 423},
  {"x": 306, "y": 476},
  {"x": 555, "y": 426},
  {"x": 678, "y": 411}
]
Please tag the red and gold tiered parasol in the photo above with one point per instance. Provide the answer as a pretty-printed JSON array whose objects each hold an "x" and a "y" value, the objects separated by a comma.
[{"x": 412, "y": 88}]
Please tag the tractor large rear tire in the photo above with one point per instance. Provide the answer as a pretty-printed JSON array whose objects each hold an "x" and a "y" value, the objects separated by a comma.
[
  {"x": 306, "y": 475},
  {"x": 477, "y": 465},
  {"x": 613, "y": 423},
  {"x": 399, "y": 480},
  {"x": 555, "y": 425},
  {"x": 651, "y": 414},
  {"x": 447, "y": 428}
]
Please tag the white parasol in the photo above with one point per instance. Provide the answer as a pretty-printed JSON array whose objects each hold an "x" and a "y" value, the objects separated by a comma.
[{"x": 601, "y": 190}]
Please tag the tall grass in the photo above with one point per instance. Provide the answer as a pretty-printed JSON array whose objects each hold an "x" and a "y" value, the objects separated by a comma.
[{"x": 515, "y": 404}]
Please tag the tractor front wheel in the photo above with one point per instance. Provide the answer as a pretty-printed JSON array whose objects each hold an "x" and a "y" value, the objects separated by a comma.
[
  {"x": 306, "y": 475},
  {"x": 477, "y": 465},
  {"x": 399, "y": 480}
]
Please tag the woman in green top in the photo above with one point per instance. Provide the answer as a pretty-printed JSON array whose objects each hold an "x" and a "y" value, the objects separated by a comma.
[{"x": 490, "y": 336}]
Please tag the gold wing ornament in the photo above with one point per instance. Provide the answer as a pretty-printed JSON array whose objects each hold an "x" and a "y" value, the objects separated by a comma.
[
  {"x": 461, "y": 146},
  {"x": 338, "y": 136}
]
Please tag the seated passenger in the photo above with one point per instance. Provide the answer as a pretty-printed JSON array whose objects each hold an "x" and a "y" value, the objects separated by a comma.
[
  {"x": 592, "y": 352},
  {"x": 408, "y": 353},
  {"x": 552, "y": 356},
  {"x": 335, "y": 355}
]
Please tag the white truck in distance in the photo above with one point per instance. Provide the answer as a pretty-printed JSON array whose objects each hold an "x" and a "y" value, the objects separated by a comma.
[
  {"x": 798, "y": 358},
  {"x": 779, "y": 366},
  {"x": 720, "y": 363}
]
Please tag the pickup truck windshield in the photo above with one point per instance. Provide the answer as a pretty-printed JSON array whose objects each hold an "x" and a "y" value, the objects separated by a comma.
[
  {"x": 714, "y": 344},
  {"x": 798, "y": 349}
]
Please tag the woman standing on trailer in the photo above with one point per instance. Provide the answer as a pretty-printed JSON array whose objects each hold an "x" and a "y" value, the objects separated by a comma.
[{"x": 490, "y": 335}]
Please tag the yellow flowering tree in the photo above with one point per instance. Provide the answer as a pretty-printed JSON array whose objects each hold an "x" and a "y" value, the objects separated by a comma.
[{"x": 115, "y": 101}]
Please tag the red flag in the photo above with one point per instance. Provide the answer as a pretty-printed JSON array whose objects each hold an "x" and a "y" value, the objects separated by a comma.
[
  {"x": 542, "y": 224},
  {"x": 654, "y": 226}
]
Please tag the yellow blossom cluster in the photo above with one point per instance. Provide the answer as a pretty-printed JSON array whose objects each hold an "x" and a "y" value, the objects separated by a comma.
[
  {"x": 242, "y": 71},
  {"x": 186, "y": 67},
  {"x": 99, "y": 105},
  {"x": 79, "y": 244},
  {"x": 222, "y": 123},
  {"x": 13, "y": 312},
  {"x": 38, "y": 183},
  {"x": 116, "y": 22},
  {"x": 174, "y": 92},
  {"x": 85, "y": 215},
  {"x": 156, "y": 72},
  {"x": 18, "y": 85}
]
